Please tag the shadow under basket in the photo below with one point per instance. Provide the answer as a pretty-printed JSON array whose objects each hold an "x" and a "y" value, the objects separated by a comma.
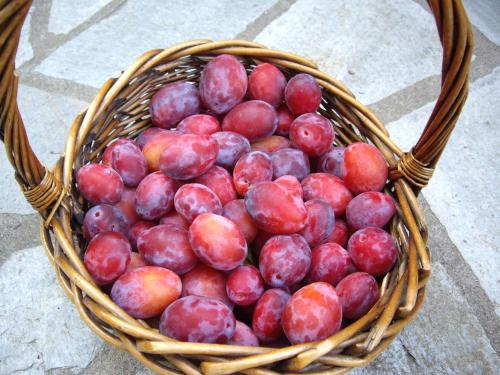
[{"x": 121, "y": 109}]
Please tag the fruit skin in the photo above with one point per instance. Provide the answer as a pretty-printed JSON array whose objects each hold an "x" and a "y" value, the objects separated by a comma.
[
  {"x": 231, "y": 147},
  {"x": 243, "y": 335},
  {"x": 189, "y": 156},
  {"x": 192, "y": 200},
  {"x": 270, "y": 144},
  {"x": 253, "y": 119},
  {"x": 302, "y": 94},
  {"x": 136, "y": 261},
  {"x": 167, "y": 246},
  {"x": 290, "y": 184},
  {"x": 136, "y": 229},
  {"x": 267, "y": 83},
  {"x": 266, "y": 321},
  {"x": 174, "y": 218},
  {"x": 107, "y": 155},
  {"x": 285, "y": 119},
  {"x": 199, "y": 124},
  {"x": 329, "y": 263},
  {"x": 331, "y": 161},
  {"x": 290, "y": 161},
  {"x": 250, "y": 169},
  {"x": 313, "y": 313},
  {"x": 358, "y": 292},
  {"x": 351, "y": 268},
  {"x": 198, "y": 319},
  {"x": 107, "y": 257},
  {"x": 155, "y": 145},
  {"x": 127, "y": 206},
  {"x": 276, "y": 209},
  {"x": 174, "y": 102},
  {"x": 154, "y": 197},
  {"x": 284, "y": 260},
  {"x": 312, "y": 133},
  {"x": 364, "y": 168},
  {"x": 328, "y": 188},
  {"x": 205, "y": 281},
  {"x": 220, "y": 181},
  {"x": 370, "y": 209},
  {"x": 236, "y": 211},
  {"x": 320, "y": 222},
  {"x": 146, "y": 291},
  {"x": 223, "y": 83},
  {"x": 340, "y": 233},
  {"x": 128, "y": 160},
  {"x": 244, "y": 285},
  {"x": 372, "y": 250},
  {"x": 147, "y": 135},
  {"x": 217, "y": 241},
  {"x": 99, "y": 184},
  {"x": 104, "y": 218}
]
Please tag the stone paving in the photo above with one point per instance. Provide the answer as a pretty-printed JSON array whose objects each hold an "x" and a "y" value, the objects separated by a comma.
[{"x": 386, "y": 51}]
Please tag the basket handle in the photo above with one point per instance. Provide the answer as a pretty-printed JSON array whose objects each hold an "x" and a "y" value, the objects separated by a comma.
[
  {"x": 29, "y": 171},
  {"x": 38, "y": 184},
  {"x": 42, "y": 189},
  {"x": 455, "y": 32}
]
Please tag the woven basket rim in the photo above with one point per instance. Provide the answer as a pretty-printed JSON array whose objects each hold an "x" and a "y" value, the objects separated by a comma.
[{"x": 393, "y": 283}]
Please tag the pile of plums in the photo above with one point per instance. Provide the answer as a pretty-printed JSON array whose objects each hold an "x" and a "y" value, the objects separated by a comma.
[{"x": 234, "y": 218}]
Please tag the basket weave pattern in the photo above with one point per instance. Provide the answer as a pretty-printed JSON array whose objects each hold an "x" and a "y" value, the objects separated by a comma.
[{"x": 121, "y": 109}]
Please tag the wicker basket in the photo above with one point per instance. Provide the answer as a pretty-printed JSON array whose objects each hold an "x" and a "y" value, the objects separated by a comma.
[{"x": 120, "y": 109}]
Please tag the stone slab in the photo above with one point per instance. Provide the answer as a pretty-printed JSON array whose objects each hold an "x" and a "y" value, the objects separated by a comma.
[
  {"x": 109, "y": 361},
  {"x": 485, "y": 15},
  {"x": 445, "y": 337},
  {"x": 65, "y": 15},
  {"x": 18, "y": 232},
  {"x": 113, "y": 44},
  {"x": 47, "y": 118},
  {"x": 461, "y": 275},
  {"x": 375, "y": 47},
  {"x": 25, "y": 51},
  {"x": 40, "y": 329},
  {"x": 464, "y": 191},
  {"x": 394, "y": 360}
]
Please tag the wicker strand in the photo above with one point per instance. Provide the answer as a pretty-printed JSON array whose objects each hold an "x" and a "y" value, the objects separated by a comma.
[
  {"x": 413, "y": 170},
  {"x": 41, "y": 188},
  {"x": 48, "y": 191}
]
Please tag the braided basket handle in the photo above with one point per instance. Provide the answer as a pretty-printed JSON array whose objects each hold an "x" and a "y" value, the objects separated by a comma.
[
  {"x": 456, "y": 36},
  {"x": 41, "y": 189},
  {"x": 38, "y": 183},
  {"x": 29, "y": 170}
]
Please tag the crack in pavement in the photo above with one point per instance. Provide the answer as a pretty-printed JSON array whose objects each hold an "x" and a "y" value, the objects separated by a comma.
[
  {"x": 410, "y": 354},
  {"x": 24, "y": 369}
]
